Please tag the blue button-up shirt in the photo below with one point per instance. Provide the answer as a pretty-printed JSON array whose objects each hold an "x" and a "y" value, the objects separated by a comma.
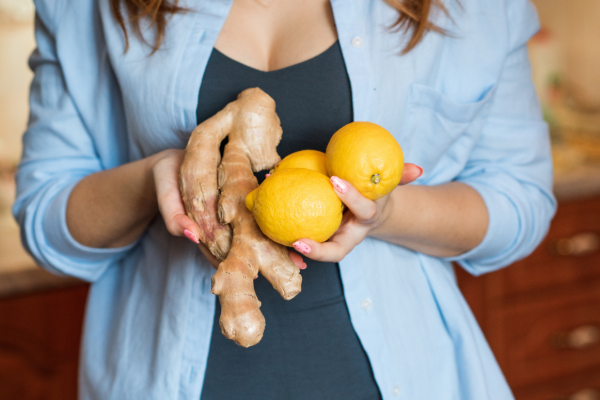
[{"x": 462, "y": 106}]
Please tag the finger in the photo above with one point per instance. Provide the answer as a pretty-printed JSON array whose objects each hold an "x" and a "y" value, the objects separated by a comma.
[
  {"x": 171, "y": 207},
  {"x": 410, "y": 173},
  {"x": 297, "y": 259},
  {"x": 362, "y": 208},
  {"x": 334, "y": 250},
  {"x": 326, "y": 252}
]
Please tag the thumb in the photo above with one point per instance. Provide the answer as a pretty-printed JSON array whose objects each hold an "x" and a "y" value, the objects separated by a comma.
[
  {"x": 170, "y": 206},
  {"x": 362, "y": 208},
  {"x": 410, "y": 173}
]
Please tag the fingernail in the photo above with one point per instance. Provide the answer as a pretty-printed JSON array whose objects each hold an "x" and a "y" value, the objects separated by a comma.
[
  {"x": 302, "y": 247},
  {"x": 188, "y": 234},
  {"x": 302, "y": 267},
  {"x": 267, "y": 175},
  {"x": 338, "y": 184},
  {"x": 420, "y": 169},
  {"x": 256, "y": 277}
]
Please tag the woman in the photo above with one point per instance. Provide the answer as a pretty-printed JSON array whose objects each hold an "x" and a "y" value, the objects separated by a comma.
[{"x": 120, "y": 85}]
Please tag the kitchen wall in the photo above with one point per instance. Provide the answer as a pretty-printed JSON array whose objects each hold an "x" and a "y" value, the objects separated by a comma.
[
  {"x": 565, "y": 57},
  {"x": 16, "y": 43},
  {"x": 574, "y": 26}
]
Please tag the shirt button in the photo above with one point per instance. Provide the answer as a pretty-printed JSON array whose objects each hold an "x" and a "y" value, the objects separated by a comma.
[
  {"x": 365, "y": 304},
  {"x": 357, "y": 42},
  {"x": 396, "y": 391}
]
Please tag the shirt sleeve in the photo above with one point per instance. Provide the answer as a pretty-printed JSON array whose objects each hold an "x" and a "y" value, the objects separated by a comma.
[
  {"x": 58, "y": 151},
  {"x": 511, "y": 164}
]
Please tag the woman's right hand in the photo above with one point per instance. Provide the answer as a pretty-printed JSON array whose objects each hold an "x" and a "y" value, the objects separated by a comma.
[{"x": 165, "y": 171}]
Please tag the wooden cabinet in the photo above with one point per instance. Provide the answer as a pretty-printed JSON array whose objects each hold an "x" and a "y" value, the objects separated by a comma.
[
  {"x": 541, "y": 315},
  {"x": 39, "y": 344}
]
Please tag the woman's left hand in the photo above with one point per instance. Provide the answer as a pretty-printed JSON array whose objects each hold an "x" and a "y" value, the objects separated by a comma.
[{"x": 361, "y": 216}]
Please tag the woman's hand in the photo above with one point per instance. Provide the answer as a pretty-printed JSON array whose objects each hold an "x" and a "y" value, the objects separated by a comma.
[
  {"x": 362, "y": 216},
  {"x": 165, "y": 171},
  {"x": 166, "y": 180}
]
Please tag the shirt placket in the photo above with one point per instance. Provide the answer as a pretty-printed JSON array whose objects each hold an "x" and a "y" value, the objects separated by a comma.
[{"x": 354, "y": 43}]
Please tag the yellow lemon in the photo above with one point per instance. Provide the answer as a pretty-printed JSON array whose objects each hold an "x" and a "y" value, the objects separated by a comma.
[
  {"x": 367, "y": 156},
  {"x": 296, "y": 203},
  {"x": 309, "y": 159}
]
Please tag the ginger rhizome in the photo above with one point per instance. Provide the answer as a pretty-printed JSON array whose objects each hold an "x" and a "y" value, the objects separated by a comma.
[{"x": 214, "y": 192}]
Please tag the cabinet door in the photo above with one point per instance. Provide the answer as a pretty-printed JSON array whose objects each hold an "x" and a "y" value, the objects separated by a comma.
[
  {"x": 581, "y": 386},
  {"x": 39, "y": 344},
  {"x": 541, "y": 315},
  {"x": 550, "y": 338},
  {"x": 570, "y": 254}
]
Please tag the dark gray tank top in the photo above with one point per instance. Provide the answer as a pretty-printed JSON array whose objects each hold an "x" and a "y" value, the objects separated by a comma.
[{"x": 309, "y": 350}]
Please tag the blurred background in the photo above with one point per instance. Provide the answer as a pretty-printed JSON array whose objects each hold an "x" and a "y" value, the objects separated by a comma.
[
  {"x": 40, "y": 314},
  {"x": 541, "y": 316}
]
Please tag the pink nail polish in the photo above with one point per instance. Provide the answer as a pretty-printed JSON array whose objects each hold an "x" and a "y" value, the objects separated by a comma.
[
  {"x": 338, "y": 184},
  {"x": 256, "y": 277},
  {"x": 267, "y": 175},
  {"x": 188, "y": 234},
  {"x": 302, "y": 247}
]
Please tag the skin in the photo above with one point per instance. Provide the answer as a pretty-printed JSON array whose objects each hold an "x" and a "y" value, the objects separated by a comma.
[
  {"x": 442, "y": 221},
  {"x": 112, "y": 208},
  {"x": 277, "y": 35}
]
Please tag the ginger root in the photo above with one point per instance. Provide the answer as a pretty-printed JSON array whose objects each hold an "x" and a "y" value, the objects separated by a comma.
[{"x": 254, "y": 131}]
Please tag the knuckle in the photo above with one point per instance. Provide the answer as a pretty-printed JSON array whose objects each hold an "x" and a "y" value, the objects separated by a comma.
[
  {"x": 339, "y": 255},
  {"x": 371, "y": 212},
  {"x": 354, "y": 203},
  {"x": 173, "y": 230},
  {"x": 173, "y": 226}
]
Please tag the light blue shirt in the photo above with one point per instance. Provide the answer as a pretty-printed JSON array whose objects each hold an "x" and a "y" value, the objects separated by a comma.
[{"x": 462, "y": 106}]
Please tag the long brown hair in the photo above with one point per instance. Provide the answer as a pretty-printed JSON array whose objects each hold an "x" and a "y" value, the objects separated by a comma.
[{"x": 413, "y": 17}]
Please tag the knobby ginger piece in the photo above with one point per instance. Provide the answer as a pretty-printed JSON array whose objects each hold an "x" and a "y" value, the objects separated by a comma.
[{"x": 254, "y": 132}]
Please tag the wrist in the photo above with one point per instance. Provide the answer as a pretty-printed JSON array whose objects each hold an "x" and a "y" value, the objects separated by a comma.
[
  {"x": 148, "y": 193},
  {"x": 391, "y": 221},
  {"x": 386, "y": 209}
]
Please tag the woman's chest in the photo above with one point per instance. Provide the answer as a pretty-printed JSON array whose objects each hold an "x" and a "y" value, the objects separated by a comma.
[{"x": 270, "y": 35}]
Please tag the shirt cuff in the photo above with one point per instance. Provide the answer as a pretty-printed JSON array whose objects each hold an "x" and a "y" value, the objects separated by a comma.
[
  {"x": 66, "y": 254},
  {"x": 502, "y": 233}
]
